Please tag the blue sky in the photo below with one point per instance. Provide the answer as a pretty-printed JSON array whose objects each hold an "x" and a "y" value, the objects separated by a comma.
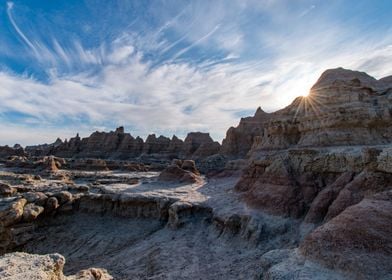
[{"x": 169, "y": 67}]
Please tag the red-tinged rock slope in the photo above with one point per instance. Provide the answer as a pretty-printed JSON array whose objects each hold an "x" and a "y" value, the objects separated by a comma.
[{"x": 325, "y": 159}]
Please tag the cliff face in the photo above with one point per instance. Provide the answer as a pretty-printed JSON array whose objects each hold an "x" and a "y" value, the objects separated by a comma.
[
  {"x": 239, "y": 140},
  {"x": 120, "y": 145},
  {"x": 343, "y": 108},
  {"x": 326, "y": 159},
  {"x": 6, "y": 151},
  {"x": 323, "y": 152},
  {"x": 199, "y": 145}
]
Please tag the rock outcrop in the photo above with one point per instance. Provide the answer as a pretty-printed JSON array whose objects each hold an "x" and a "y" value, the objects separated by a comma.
[
  {"x": 198, "y": 144},
  {"x": 6, "y": 190},
  {"x": 326, "y": 159},
  {"x": 6, "y": 152},
  {"x": 123, "y": 146},
  {"x": 46, "y": 164},
  {"x": 343, "y": 108},
  {"x": 313, "y": 182},
  {"x": 239, "y": 140},
  {"x": 308, "y": 156},
  {"x": 154, "y": 145},
  {"x": 44, "y": 149},
  {"x": 181, "y": 171},
  {"x": 359, "y": 240},
  {"x": 16, "y": 266}
]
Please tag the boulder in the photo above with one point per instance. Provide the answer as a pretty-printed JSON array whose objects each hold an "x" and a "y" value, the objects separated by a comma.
[
  {"x": 190, "y": 165},
  {"x": 174, "y": 173},
  {"x": 31, "y": 212},
  {"x": 16, "y": 266},
  {"x": 6, "y": 190},
  {"x": 91, "y": 274},
  {"x": 63, "y": 197},
  {"x": 51, "y": 204},
  {"x": 11, "y": 211}
]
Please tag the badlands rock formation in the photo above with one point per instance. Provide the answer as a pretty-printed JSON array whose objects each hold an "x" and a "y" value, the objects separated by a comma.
[
  {"x": 152, "y": 229},
  {"x": 6, "y": 151},
  {"x": 181, "y": 171},
  {"x": 358, "y": 240},
  {"x": 120, "y": 145},
  {"x": 343, "y": 108},
  {"x": 301, "y": 193},
  {"x": 326, "y": 158},
  {"x": 323, "y": 152},
  {"x": 239, "y": 140}
]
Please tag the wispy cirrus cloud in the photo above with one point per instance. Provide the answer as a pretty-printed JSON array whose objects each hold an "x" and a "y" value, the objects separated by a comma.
[{"x": 174, "y": 68}]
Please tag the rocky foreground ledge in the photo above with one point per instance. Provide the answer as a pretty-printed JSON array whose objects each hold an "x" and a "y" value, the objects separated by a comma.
[
  {"x": 116, "y": 225},
  {"x": 17, "y": 266},
  {"x": 350, "y": 218}
]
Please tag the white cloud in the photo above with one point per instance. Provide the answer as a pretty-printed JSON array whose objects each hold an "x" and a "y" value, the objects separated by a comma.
[
  {"x": 10, "y": 5},
  {"x": 169, "y": 98}
]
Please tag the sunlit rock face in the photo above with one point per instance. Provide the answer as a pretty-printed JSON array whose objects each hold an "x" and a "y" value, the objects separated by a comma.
[
  {"x": 326, "y": 160},
  {"x": 344, "y": 107},
  {"x": 323, "y": 153}
]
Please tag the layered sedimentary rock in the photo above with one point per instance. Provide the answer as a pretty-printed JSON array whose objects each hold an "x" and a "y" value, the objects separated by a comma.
[
  {"x": 120, "y": 145},
  {"x": 49, "y": 164},
  {"x": 240, "y": 139},
  {"x": 359, "y": 240},
  {"x": 175, "y": 146},
  {"x": 181, "y": 171},
  {"x": 154, "y": 145},
  {"x": 198, "y": 144},
  {"x": 318, "y": 183},
  {"x": 324, "y": 152},
  {"x": 6, "y": 152},
  {"x": 44, "y": 149},
  {"x": 326, "y": 159},
  {"x": 343, "y": 108}
]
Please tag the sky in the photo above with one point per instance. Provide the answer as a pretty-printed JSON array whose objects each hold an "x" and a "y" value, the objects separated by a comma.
[{"x": 170, "y": 67}]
